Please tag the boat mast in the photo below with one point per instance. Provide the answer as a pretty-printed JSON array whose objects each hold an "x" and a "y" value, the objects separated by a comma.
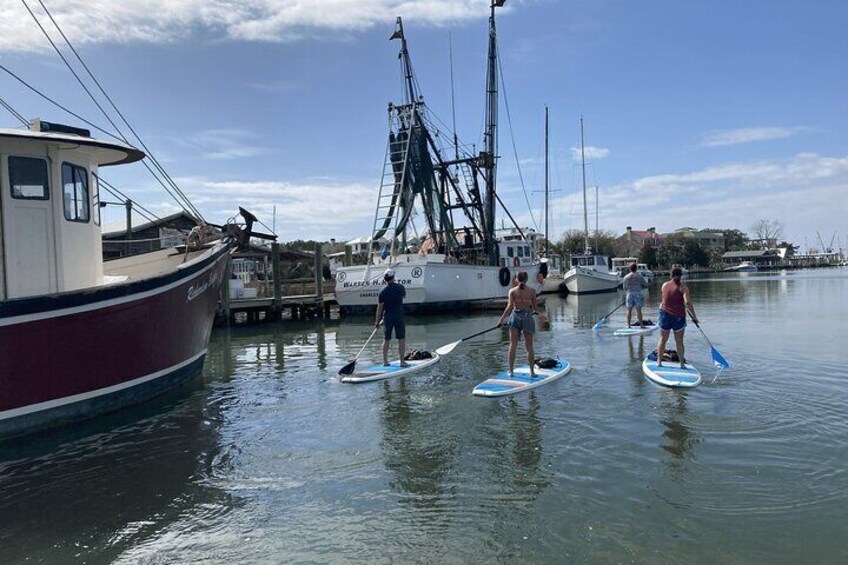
[
  {"x": 490, "y": 138},
  {"x": 547, "y": 229},
  {"x": 585, "y": 209}
]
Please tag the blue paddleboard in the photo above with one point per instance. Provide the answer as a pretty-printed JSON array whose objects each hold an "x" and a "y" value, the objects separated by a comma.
[
  {"x": 503, "y": 384},
  {"x": 671, "y": 374},
  {"x": 394, "y": 369}
]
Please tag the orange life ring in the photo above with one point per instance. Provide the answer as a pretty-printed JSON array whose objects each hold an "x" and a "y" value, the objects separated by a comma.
[{"x": 516, "y": 262}]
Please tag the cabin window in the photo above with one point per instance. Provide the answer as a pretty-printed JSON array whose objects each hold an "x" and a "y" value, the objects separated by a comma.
[
  {"x": 510, "y": 252},
  {"x": 75, "y": 192},
  {"x": 590, "y": 261},
  {"x": 95, "y": 198},
  {"x": 28, "y": 178},
  {"x": 521, "y": 252}
]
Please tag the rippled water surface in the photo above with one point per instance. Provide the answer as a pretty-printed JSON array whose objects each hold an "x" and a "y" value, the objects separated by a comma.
[{"x": 269, "y": 459}]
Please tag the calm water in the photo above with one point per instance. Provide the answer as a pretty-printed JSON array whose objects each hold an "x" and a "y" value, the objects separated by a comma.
[{"x": 269, "y": 459}]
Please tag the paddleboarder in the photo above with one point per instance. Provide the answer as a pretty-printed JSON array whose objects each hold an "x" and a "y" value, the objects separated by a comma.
[
  {"x": 633, "y": 284},
  {"x": 390, "y": 312},
  {"x": 672, "y": 315},
  {"x": 521, "y": 307}
]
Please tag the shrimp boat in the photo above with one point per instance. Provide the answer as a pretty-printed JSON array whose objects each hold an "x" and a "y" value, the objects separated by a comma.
[
  {"x": 590, "y": 272},
  {"x": 458, "y": 260},
  {"x": 78, "y": 336}
]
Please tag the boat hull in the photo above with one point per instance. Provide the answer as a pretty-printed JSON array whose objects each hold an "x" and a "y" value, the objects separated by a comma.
[
  {"x": 73, "y": 355},
  {"x": 429, "y": 287},
  {"x": 589, "y": 281}
]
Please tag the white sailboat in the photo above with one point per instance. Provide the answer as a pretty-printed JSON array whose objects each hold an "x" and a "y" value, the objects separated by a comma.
[
  {"x": 590, "y": 272},
  {"x": 456, "y": 262},
  {"x": 550, "y": 267}
]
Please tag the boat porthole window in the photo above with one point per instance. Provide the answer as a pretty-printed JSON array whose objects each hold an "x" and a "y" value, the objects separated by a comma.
[
  {"x": 28, "y": 178},
  {"x": 75, "y": 192}
]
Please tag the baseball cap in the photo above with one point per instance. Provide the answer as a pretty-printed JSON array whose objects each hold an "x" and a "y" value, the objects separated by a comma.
[{"x": 389, "y": 274}]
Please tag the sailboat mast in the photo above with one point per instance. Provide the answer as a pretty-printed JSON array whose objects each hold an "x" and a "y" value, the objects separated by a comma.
[
  {"x": 491, "y": 138},
  {"x": 583, "y": 167},
  {"x": 547, "y": 192}
]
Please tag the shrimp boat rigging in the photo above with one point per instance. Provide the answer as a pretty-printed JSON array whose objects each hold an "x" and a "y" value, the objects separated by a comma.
[{"x": 459, "y": 259}]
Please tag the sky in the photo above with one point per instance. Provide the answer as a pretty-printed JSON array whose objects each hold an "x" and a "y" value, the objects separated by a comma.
[{"x": 705, "y": 114}]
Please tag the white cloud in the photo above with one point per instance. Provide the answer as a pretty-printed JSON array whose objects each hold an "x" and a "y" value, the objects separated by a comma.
[
  {"x": 224, "y": 144},
  {"x": 721, "y": 138},
  {"x": 160, "y": 21},
  {"x": 802, "y": 192},
  {"x": 592, "y": 153}
]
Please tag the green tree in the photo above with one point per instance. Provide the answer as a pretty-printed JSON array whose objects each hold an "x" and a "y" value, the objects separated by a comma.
[
  {"x": 670, "y": 251},
  {"x": 693, "y": 253},
  {"x": 648, "y": 255}
]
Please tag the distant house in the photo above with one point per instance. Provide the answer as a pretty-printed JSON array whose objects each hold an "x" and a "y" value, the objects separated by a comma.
[
  {"x": 630, "y": 244},
  {"x": 162, "y": 233},
  {"x": 365, "y": 244},
  {"x": 707, "y": 239}
]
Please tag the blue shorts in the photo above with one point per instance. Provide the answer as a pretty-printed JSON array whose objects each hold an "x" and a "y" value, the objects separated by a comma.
[
  {"x": 668, "y": 322},
  {"x": 394, "y": 322},
  {"x": 634, "y": 299},
  {"x": 522, "y": 320}
]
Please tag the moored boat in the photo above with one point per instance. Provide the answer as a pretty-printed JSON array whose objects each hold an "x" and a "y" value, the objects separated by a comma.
[
  {"x": 458, "y": 261},
  {"x": 743, "y": 267},
  {"x": 78, "y": 336},
  {"x": 590, "y": 272}
]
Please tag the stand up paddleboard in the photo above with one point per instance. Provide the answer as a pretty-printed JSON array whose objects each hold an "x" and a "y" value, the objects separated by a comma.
[
  {"x": 380, "y": 372},
  {"x": 635, "y": 330},
  {"x": 671, "y": 374},
  {"x": 503, "y": 384}
]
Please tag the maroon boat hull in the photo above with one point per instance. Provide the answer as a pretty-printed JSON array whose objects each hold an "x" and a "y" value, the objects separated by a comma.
[{"x": 73, "y": 355}]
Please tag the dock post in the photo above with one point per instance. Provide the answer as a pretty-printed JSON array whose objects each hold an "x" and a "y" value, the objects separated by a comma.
[
  {"x": 319, "y": 278},
  {"x": 224, "y": 298},
  {"x": 278, "y": 281}
]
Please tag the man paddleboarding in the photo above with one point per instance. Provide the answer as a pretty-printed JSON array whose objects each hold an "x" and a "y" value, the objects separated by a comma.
[
  {"x": 633, "y": 284},
  {"x": 521, "y": 307},
  {"x": 390, "y": 311},
  {"x": 672, "y": 315}
]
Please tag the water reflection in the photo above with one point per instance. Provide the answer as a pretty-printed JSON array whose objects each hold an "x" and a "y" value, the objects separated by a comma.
[
  {"x": 526, "y": 430},
  {"x": 90, "y": 492},
  {"x": 679, "y": 440},
  {"x": 585, "y": 310}
]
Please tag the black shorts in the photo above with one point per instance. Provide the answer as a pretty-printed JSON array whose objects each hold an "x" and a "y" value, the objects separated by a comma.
[{"x": 395, "y": 322}]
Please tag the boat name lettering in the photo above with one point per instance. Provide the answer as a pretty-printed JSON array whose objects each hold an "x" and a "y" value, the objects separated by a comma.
[
  {"x": 195, "y": 291},
  {"x": 354, "y": 284}
]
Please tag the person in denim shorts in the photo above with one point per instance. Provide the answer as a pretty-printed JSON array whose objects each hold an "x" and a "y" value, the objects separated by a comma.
[
  {"x": 633, "y": 284},
  {"x": 390, "y": 312},
  {"x": 672, "y": 315},
  {"x": 520, "y": 309}
]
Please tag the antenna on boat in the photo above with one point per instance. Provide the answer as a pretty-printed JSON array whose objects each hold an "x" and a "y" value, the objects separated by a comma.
[
  {"x": 583, "y": 170},
  {"x": 547, "y": 191},
  {"x": 453, "y": 98}
]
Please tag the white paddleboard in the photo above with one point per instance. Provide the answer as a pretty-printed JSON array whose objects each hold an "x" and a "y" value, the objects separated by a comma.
[
  {"x": 636, "y": 330},
  {"x": 394, "y": 369},
  {"x": 671, "y": 374},
  {"x": 503, "y": 384}
]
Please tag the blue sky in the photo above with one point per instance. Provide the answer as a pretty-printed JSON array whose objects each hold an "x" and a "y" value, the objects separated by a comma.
[{"x": 705, "y": 114}]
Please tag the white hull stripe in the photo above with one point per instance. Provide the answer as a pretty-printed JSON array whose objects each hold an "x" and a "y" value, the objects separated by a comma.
[
  {"x": 83, "y": 396},
  {"x": 26, "y": 318}
]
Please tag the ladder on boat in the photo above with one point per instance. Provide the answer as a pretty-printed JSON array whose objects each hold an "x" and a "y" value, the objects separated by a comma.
[{"x": 395, "y": 169}]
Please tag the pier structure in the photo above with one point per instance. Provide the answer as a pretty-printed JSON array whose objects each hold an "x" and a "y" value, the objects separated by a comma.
[{"x": 255, "y": 289}]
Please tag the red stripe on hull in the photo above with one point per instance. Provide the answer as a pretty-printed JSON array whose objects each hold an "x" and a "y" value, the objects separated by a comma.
[{"x": 61, "y": 356}]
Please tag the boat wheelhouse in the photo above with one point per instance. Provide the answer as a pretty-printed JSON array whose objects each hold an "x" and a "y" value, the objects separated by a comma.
[{"x": 79, "y": 336}]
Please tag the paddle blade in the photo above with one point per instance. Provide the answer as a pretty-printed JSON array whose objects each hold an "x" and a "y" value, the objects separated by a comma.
[
  {"x": 600, "y": 324},
  {"x": 718, "y": 360},
  {"x": 445, "y": 349},
  {"x": 348, "y": 369}
]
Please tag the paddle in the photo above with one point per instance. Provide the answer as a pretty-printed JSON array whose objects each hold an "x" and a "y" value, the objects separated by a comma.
[
  {"x": 718, "y": 360},
  {"x": 348, "y": 369},
  {"x": 603, "y": 320},
  {"x": 445, "y": 349}
]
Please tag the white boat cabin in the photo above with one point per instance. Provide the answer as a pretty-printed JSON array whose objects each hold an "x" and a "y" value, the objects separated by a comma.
[
  {"x": 50, "y": 235},
  {"x": 591, "y": 261},
  {"x": 516, "y": 253}
]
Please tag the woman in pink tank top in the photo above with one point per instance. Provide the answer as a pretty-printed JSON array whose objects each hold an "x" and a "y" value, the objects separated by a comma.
[{"x": 672, "y": 315}]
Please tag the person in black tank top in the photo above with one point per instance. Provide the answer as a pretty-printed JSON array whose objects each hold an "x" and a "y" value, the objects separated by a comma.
[{"x": 390, "y": 311}]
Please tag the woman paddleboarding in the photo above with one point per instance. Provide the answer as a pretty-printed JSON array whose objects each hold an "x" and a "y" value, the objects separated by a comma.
[
  {"x": 672, "y": 315},
  {"x": 521, "y": 308}
]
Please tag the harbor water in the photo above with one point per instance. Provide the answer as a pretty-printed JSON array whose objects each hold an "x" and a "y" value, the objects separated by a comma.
[{"x": 268, "y": 458}]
